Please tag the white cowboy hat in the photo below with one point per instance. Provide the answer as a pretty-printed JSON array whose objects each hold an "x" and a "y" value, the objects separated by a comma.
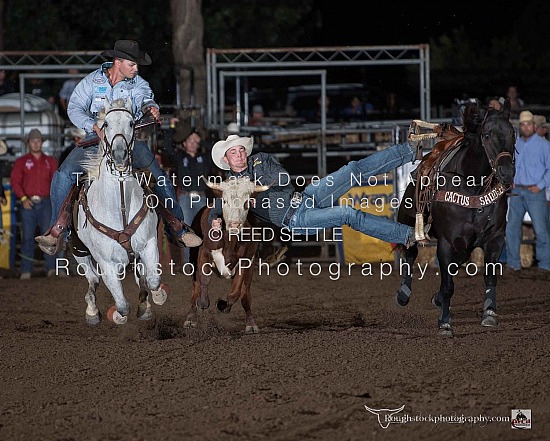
[{"x": 221, "y": 147}]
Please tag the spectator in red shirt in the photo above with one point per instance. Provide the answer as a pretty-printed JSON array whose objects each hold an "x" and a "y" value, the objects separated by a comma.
[
  {"x": 31, "y": 178},
  {"x": 3, "y": 201}
]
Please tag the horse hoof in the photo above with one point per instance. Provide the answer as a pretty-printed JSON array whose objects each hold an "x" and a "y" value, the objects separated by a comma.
[
  {"x": 114, "y": 316},
  {"x": 251, "y": 330},
  {"x": 223, "y": 306},
  {"x": 93, "y": 320},
  {"x": 202, "y": 305},
  {"x": 403, "y": 295},
  {"x": 160, "y": 296},
  {"x": 144, "y": 313},
  {"x": 446, "y": 331},
  {"x": 436, "y": 301},
  {"x": 489, "y": 319}
]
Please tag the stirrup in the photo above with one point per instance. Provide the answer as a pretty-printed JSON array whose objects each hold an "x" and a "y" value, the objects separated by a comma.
[
  {"x": 50, "y": 248},
  {"x": 415, "y": 130},
  {"x": 421, "y": 231},
  {"x": 415, "y": 137}
]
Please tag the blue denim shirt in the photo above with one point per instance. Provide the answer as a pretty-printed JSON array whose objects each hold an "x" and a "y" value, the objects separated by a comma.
[
  {"x": 533, "y": 162},
  {"x": 89, "y": 95}
]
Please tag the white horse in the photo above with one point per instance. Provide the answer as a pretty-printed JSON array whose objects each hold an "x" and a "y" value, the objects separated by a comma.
[{"x": 115, "y": 223}]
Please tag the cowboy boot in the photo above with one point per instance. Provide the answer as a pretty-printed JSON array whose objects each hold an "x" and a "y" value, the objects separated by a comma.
[
  {"x": 180, "y": 233},
  {"x": 53, "y": 240}
]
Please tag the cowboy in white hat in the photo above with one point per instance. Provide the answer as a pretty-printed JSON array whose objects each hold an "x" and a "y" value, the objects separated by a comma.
[
  {"x": 114, "y": 79},
  {"x": 316, "y": 207}
]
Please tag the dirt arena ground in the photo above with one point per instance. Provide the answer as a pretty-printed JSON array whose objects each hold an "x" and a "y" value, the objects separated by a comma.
[{"x": 327, "y": 348}]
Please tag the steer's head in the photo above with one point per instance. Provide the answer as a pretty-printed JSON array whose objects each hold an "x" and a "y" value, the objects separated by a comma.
[{"x": 236, "y": 194}]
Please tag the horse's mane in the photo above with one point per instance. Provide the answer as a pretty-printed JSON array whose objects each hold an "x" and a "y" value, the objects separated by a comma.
[{"x": 92, "y": 162}]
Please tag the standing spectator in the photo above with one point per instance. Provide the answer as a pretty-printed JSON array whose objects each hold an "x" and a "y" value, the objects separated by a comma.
[
  {"x": 7, "y": 85},
  {"x": 44, "y": 90},
  {"x": 529, "y": 194},
  {"x": 75, "y": 135},
  {"x": 541, "y": 126},
  {"x": 66, "y": 91},
  {"x": 31, "y": 178},
  {"x": 357, "y": 109},
  {"x": 3, "y": 200},
  {"x": 493, "y": 101},
  {"x": 315, "y": 115},
  {"x": 257, "y": 117},
  {"x": 190, "y": 163},
  {"x": 516, "y": 103},
  {"x": 232, "y": 129}
]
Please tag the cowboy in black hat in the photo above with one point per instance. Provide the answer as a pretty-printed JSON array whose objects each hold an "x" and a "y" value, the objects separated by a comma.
[
  {"x": 128, "y": 50},
  {"x": 114, "y": 79}
]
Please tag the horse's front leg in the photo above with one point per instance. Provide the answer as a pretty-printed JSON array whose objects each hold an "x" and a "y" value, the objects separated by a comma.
[
  {"x": 491, "y": 270},
  {"x": 442, "y": 298},
  {"x": 406, "y": 269},
  {"x": 93, "y": 315},
  {"x": 144, "y": 311},
  {"x": 150, "y": 268},
  {"x": 112, "y": 278}
]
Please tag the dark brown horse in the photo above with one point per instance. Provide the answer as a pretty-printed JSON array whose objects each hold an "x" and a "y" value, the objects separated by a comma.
[{"x": 463, "y": 201}]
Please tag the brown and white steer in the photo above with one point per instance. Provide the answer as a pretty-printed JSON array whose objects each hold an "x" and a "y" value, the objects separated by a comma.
[{"x": 223, "y": 252}]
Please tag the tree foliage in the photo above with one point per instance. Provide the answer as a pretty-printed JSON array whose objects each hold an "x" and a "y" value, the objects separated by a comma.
[
  {"x": 251, "y": 23},
  {"x": 459, "y": 61}
]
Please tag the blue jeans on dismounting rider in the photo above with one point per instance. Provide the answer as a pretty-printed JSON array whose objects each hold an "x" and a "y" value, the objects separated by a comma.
[
  {"x": 317, "y": 210},
  {"x": 143, "y": 157}
]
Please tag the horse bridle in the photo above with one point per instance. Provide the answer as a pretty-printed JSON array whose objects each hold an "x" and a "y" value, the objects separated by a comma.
[
  {"x": 129, "y": 227},
  {"x": 108, "y": 152},
  {"x": 493, "y": 162}
]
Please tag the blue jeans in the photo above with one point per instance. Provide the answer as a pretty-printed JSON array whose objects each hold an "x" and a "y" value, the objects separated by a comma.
[
  {"x": 520, "y": 201},
  {"x": 190, "y": 206},
  {"x": 318, "y": 209},
  {"x": 37, "y": 216},
  {"x": 143, "y": 157}
]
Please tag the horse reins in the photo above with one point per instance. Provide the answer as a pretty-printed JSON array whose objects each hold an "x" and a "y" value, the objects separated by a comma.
[{"x": 123, "y": 236}]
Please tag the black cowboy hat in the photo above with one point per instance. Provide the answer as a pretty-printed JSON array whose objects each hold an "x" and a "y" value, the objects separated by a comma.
[{"x": 129, "y": 50}]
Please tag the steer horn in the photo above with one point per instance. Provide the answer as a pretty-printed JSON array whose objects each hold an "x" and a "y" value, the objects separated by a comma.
[
  {"x": 216, "y": 186},
  {"x": 213, "y": 185}
]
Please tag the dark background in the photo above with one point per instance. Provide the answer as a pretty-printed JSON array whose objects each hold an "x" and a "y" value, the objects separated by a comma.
[
  {"x": 413, "y": 23},
  {"x": 476, "y": 48}
]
